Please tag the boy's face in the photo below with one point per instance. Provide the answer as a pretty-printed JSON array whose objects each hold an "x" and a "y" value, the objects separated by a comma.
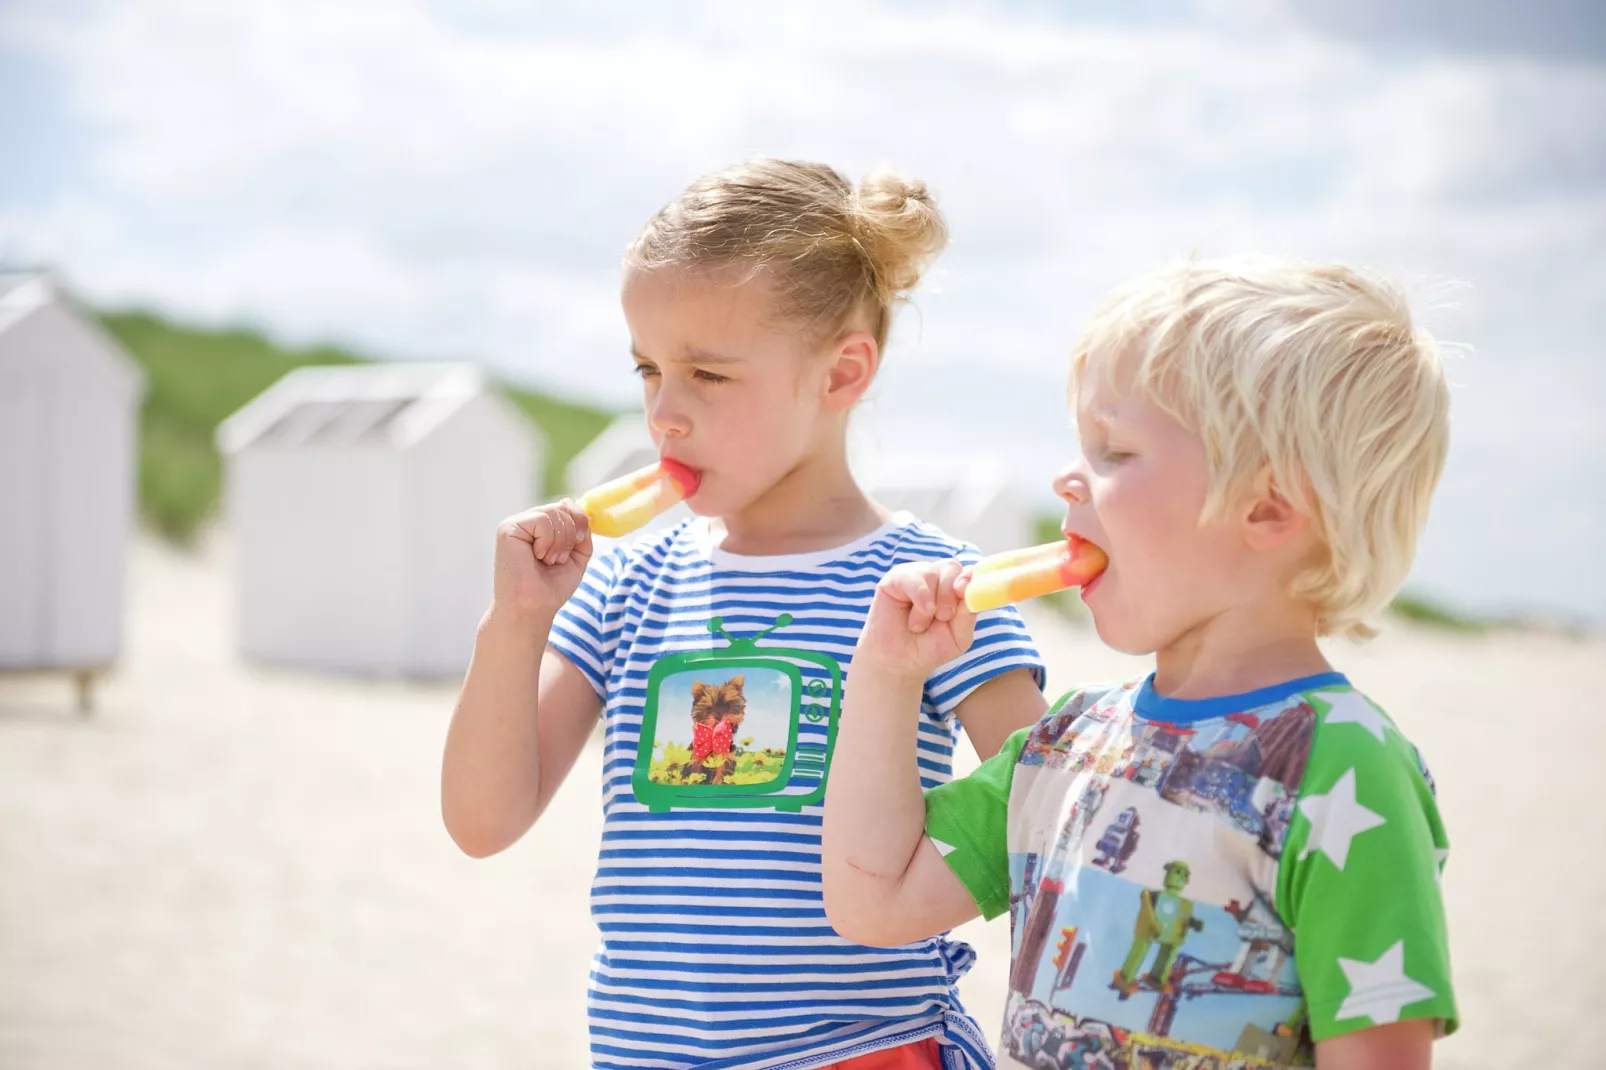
[{"x": 1138, "y": 492}]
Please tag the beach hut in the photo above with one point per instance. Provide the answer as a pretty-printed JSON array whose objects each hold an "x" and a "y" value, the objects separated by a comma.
[
  {"x": 978, "y": 505},
  {"x": 69, "y": 419},
  {"x": 362, "y": 502}
]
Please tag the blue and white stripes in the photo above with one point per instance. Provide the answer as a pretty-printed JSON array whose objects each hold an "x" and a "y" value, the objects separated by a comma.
[{"x": 716, "y": 952}]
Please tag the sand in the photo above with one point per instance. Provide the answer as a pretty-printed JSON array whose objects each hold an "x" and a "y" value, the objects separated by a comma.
[{"x": 228, "y": 866}]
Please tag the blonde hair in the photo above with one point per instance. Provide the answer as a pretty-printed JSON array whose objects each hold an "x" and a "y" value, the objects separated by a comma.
[
  {"x": 1313, "y": 371},
  {"x": 833, "y": 249}
]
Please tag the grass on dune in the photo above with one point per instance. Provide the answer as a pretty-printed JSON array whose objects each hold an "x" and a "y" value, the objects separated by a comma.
[{"x": 197, "y": 377}]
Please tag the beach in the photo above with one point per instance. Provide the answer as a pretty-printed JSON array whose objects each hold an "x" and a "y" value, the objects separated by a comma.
[{"x": 227, "y": 865}]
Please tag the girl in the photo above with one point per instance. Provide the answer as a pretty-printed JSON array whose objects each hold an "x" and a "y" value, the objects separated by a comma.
[{"x": 758, "y": 304}]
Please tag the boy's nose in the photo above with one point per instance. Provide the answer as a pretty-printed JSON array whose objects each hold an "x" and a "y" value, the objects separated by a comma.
[{"x": 1071, "y": 485}]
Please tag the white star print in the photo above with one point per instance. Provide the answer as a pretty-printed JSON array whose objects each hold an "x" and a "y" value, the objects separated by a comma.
[
  {"x": 1380, "y": 990},
  {"x": 944, "y": 849},
  {"x": 1351, "y": 707},
  {"x": 1336, "y": 819}
]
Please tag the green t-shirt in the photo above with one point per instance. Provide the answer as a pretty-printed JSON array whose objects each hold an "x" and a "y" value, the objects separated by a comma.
[{"x": 1232, "y": 877}]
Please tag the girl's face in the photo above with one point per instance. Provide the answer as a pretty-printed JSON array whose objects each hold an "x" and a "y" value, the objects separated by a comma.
[{"x": 730, "y": 389}]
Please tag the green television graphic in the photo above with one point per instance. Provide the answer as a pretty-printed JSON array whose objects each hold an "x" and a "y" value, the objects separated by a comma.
[{"x": 742, "y": 726}]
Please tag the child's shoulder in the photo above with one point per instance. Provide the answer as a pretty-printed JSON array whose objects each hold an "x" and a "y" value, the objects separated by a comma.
[
  {"x": 651, "y": 551},
  {"x": 908, "y": 538},
  {"x": 1099, "y": 702},
  {"x": 1353, "y": 733}
]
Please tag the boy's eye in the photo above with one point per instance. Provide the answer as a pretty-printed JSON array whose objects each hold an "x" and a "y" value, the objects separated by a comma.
[
  {"x": 709, "y": 377},
  {"x": 1111, "y": 454},
  {"x": 646, "y": 370}
]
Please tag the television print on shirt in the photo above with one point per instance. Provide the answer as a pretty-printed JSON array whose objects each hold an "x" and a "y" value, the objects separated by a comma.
[{"x": 743, "y": 726}]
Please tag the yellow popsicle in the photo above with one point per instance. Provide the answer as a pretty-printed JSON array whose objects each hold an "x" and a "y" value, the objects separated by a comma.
[
  {"x": 1030, "y": 573},
  {"x": 622, "y": 505}
]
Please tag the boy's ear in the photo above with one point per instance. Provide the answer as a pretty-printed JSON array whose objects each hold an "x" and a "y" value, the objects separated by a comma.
[
  {"x": 1270, "y": 519},
  {"x": 855, "y": 357}
]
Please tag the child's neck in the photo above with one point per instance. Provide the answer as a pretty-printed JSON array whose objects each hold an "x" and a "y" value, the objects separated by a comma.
[
  {"x": 816, "y": 506},
  {"x": 1247, "y": 647}
]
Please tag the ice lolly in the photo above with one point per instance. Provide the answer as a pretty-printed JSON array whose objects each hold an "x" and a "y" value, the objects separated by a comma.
[
  {"x": 620, "y": 506},
  {"x": 1021, "y": 574}
]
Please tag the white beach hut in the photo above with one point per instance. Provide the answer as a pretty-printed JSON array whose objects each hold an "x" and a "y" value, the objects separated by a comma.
[
  {"x": 69, "y": 418},
  {"x": 363, "y": 501},
  {"x": 623, "y": 446},
  {"x": 976, "y": 504}
]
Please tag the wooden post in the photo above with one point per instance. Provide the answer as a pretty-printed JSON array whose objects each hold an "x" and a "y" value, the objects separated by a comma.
[{"x": 83, "y": 682}]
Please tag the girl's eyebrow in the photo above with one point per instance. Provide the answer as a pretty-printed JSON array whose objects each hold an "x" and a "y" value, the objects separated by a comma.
[{"x": 694, "y": 355}]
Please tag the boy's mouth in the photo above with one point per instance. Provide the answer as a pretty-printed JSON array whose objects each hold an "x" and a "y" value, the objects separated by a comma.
[
  {"x": 1087, "y": 588},
  {"x": 1076, "y": 540}
]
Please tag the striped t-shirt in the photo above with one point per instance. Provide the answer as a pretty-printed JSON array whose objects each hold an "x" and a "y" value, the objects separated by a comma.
[{"x": 722, "y": 680}]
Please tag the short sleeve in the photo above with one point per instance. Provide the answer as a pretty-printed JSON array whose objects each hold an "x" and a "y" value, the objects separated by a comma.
[
  {"x": 1359, "y": 877},
  {"x": 586, "y": 630},
  {"x": 1001, "y": 643},
  {"x": 968, "y": 822}
]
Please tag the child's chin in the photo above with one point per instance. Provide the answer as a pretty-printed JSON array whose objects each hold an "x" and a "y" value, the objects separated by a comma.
[{"x": 1113, "y": 637}]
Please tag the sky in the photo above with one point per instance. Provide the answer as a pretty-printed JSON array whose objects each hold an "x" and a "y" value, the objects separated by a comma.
[{"x": 436, "y": 180}]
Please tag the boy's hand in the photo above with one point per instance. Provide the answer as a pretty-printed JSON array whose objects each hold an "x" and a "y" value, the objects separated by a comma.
[
  {"x": 918, "y": 620},
  {"x": 541, "y": 554}
]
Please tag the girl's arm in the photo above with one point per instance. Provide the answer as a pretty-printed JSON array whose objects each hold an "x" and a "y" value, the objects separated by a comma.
[
  {"x": 884, "y": 882},
  {"x": 525, "y": 711},
  {"x": 1399, "y": 1046},
  {"x": 997, "y": 709}
]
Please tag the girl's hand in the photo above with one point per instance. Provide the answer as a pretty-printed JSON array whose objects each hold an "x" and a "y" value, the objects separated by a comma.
[
  {"x": 918, "y": 620},
  {"x": 541, "y": 554}
]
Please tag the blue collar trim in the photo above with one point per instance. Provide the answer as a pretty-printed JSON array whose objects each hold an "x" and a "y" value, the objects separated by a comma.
[{"x": 1156, "y": 707}]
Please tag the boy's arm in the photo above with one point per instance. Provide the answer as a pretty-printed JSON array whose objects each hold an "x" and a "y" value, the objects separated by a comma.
[
  {"x": 884, "y": 882},
  {"x": 1400, "y": 1046}
]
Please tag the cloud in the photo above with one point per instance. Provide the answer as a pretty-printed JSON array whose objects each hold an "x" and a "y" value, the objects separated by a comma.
[
  {"x": 459, "y": 180},
  {"x": 1551, "y": 29}
]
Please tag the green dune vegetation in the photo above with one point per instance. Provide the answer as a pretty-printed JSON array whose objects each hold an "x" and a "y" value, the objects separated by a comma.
[{"x": 196, "y": 377}]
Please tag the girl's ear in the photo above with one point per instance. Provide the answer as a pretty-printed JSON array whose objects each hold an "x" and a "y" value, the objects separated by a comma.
[
  {"x": 854, "y": 359},
  {"x": 1270, "y": 519}
]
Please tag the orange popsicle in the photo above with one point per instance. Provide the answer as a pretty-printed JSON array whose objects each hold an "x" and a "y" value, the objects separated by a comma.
[
  {"x": 1038, "y": 570},
  {"x": 622, "y": 505}
]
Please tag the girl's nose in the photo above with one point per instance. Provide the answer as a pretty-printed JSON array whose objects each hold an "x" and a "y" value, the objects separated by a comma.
[{"x": 666, "y": 418}]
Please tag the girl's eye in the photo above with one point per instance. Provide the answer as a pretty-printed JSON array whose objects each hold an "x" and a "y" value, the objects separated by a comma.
[
  {"x": 646, "y": 371},
  {"x": 709, "y": 377},
  {"x": 1113, "y": 455}
]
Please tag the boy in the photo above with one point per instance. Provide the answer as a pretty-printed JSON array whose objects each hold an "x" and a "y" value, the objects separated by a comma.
[{"x": 1234, "y": 861}]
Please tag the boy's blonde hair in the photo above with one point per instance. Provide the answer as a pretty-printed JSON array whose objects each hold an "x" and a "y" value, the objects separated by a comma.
[
  {"x": 834, "y": 249},
  {"x": 1313, "y": 371}
]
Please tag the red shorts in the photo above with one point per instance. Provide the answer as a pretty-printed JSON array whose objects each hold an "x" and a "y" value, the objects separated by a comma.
[{"x": 921, "y": 1055}]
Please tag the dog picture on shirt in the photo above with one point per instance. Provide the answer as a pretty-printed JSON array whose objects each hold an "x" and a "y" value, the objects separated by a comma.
[{"x": 732, "y": 727}]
